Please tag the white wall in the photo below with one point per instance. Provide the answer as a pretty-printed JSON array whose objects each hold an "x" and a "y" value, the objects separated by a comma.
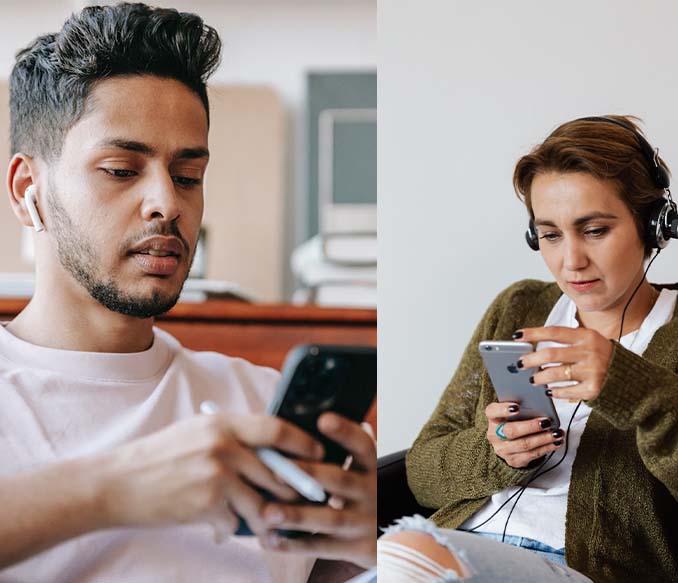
[
  {"x": 465, "y": 89},
  {"x": 270, "y": 42}
]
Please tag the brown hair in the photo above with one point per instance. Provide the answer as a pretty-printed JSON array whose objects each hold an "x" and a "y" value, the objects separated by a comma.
[{"x": 604, "y": 150}]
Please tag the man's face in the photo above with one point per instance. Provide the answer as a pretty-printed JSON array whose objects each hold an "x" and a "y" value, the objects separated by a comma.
[{"x": 125, "y": 198}]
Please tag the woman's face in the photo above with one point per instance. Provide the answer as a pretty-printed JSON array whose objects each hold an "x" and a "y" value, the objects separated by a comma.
[{"x": 588, "y": 239}]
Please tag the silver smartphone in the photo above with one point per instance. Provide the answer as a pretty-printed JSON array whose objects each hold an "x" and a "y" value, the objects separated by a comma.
[{"x": 513, "y": 384}]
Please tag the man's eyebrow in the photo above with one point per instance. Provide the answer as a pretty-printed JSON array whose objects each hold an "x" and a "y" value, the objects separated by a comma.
[
  {"x": 579, "y": 221},
  {"x": 140, "y": 147},
  {"x": 191, "y": 153}
]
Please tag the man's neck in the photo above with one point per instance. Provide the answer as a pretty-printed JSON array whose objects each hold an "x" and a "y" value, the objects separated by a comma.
[{"x": 60, "y": 320}]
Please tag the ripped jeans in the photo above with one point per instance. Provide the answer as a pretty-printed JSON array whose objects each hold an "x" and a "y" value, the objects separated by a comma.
[{"x": 415, "y": 550}]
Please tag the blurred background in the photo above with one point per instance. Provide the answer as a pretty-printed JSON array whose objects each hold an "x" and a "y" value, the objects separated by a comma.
[
  {"x": 290, "y": 212},
  {"x": 465, "y": 89}
]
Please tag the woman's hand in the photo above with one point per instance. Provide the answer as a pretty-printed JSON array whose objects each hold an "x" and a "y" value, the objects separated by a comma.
[
  {"x": 585, "y": 360},
  {"x": 525, "y": 441}
]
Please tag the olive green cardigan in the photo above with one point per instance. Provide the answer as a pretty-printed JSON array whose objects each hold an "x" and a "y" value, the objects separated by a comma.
[{"x": 622, "y": 509}]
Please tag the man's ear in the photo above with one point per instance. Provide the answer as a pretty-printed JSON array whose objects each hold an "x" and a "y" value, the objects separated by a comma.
[{"x": 22, "y": 180}]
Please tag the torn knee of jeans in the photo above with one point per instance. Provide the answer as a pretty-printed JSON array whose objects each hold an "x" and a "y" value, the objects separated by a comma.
[{"x": 416, "y": 555}]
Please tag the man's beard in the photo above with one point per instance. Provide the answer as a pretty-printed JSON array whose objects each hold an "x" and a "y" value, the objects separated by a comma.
[{"x": 78, "y": 256}]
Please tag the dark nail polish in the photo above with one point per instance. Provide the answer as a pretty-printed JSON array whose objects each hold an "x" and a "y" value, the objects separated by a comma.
[
  {"x": 549, "y": 392},
  {"x": 545, "y": 423},
  {"x": 557, "y": 433},
  {"x": 532, "y": 380},
  {"x": 520, "y": 363},
  {"x": 513, "y": 408},
  {"x": 517, "y": 334},
  {"x": 557, "y": 443}
]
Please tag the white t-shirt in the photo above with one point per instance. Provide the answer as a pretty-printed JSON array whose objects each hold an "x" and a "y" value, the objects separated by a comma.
[
  {"x": 57, "y": 404},
  {"x": 540, "y": 513}
]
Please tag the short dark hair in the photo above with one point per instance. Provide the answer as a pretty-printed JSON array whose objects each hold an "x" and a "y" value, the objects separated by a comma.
[
  {"x": 53, "y": 77},
  {"x": 604, "y": 150}
]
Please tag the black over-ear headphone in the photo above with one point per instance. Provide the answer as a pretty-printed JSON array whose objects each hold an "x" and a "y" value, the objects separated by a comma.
[{"x": 661, "y": 216}]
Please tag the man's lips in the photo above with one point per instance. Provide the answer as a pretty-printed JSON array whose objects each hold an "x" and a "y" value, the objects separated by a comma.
[
  {"x": 159, "y": 246},
  {"x": 158, "y": 255}
]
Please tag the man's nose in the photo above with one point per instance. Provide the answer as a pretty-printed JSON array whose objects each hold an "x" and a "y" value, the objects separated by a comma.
[{"x": 160, "y": 198}]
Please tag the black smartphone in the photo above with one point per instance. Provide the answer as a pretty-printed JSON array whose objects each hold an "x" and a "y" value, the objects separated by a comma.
[
  {"x": 320, "y": 378},
  {"x": 317, "y": 379}
]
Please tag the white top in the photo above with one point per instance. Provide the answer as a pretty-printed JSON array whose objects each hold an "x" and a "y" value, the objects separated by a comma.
[
  {"x": 540, "y": 513},
  {"x": 57, "y": 404}
]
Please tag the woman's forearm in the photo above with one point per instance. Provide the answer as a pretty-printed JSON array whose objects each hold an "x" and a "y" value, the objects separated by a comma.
[{"x": 44, "y": 507}]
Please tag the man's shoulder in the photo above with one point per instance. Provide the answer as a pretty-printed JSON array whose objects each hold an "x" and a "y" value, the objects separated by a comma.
[{"x": 216, "y": 374}]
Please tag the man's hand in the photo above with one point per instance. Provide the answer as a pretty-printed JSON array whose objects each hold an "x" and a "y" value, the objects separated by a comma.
[
  {"x": 199, "y": 469},
  {"x": 347, "y": 533}
]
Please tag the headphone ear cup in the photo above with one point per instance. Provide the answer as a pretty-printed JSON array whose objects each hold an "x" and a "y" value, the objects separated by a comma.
[
  {"x": 531, "y": 236},
  {"x": 662, "y": 178},
  {"x": 659, "y": 216}
]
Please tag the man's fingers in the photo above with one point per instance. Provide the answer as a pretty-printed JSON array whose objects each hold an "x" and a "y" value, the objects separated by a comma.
[
  {"x": 351, "y": 436},
  {"x": 245, "y": 502},
  {"x": 361, "y": 552},
  {"x": 344, "y": 523},
  {"x": 348, "y": 484},
  {"x": 247, "y": 464},
  {"x": 263, "y": 431}
]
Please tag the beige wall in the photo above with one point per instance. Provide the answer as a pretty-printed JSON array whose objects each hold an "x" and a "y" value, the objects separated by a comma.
[
  {"x": 10, "y": 229},
  {"x": 244, "y": 191}
]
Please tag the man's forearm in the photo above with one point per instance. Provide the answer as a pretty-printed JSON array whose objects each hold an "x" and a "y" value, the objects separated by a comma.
[{"x": 44, "y": 507}]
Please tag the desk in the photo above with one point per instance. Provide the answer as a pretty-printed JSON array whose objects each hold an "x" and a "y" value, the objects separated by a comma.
[{"x": 261, "y": 334}]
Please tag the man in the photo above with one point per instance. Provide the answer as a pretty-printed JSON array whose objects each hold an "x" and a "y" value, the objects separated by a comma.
[{"x": 100, "y": 437}]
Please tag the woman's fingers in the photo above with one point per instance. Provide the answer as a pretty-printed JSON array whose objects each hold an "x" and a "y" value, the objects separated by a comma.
[
  {"x": 498, "y": 412},
  {"x": 522, "y": 459},
  {"x": 519, "y": 429}
]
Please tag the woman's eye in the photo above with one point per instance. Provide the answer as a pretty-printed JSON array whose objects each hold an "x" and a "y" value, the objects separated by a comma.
[
  {"x": 119, "y": 172},
  {"x": 599, "y": 232},
  {"x": 185, "y": 181}
]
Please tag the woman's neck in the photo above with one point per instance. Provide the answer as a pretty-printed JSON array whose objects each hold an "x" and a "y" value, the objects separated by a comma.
[{"x": 607, "y": 322}]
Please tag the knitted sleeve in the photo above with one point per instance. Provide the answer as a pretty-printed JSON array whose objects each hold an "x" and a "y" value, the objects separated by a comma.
[
  {"x": 640, "y": 394},
  {"x": 451, "y": 459}
]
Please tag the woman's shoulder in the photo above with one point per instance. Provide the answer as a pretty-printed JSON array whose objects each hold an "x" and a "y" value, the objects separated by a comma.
[
  {"x": 529, "y": 291},
  {"x": 525, "y": 303}
]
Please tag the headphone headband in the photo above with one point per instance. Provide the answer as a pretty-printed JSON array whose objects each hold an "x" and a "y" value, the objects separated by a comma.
[
  {"x": 662, "y": 216},
  {"x": 659, "y": 175}
]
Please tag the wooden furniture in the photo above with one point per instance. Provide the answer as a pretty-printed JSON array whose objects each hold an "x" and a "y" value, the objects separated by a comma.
[{"x": 261, "y": 334}]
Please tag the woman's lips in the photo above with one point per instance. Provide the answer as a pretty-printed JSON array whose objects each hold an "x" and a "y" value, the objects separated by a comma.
[{"x": 582, "y": 286}]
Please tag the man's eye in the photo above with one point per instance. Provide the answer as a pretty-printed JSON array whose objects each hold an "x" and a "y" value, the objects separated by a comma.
[
  {"x": 119, "y": 172},
  {"x": 550, "y": 236},
  {"x": 185, "y": 181}
]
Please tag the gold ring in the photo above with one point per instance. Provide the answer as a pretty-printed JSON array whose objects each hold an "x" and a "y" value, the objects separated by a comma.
[{"x": 568, "y": 372}]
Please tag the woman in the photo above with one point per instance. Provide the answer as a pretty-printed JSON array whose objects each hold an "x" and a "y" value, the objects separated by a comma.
[{"x": 610, "y": 508}]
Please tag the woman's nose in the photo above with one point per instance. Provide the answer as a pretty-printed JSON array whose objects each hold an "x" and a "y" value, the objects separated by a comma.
[{"x": 575, "y": 257}]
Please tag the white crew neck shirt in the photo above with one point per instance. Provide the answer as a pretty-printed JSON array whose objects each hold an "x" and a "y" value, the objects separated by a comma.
[
  {"x": 540, "y": 513},
  {"x": 58, "y": 404}
]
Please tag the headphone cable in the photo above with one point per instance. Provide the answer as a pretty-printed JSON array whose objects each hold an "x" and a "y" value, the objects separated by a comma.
[{"x": 537, "y": 473}]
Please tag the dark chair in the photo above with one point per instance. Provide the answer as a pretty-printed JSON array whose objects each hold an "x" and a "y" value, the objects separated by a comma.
[{"x": 395, "y": 498}]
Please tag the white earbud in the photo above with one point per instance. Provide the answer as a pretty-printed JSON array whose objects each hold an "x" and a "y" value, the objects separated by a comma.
[{"x": 30, "y": 197}]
